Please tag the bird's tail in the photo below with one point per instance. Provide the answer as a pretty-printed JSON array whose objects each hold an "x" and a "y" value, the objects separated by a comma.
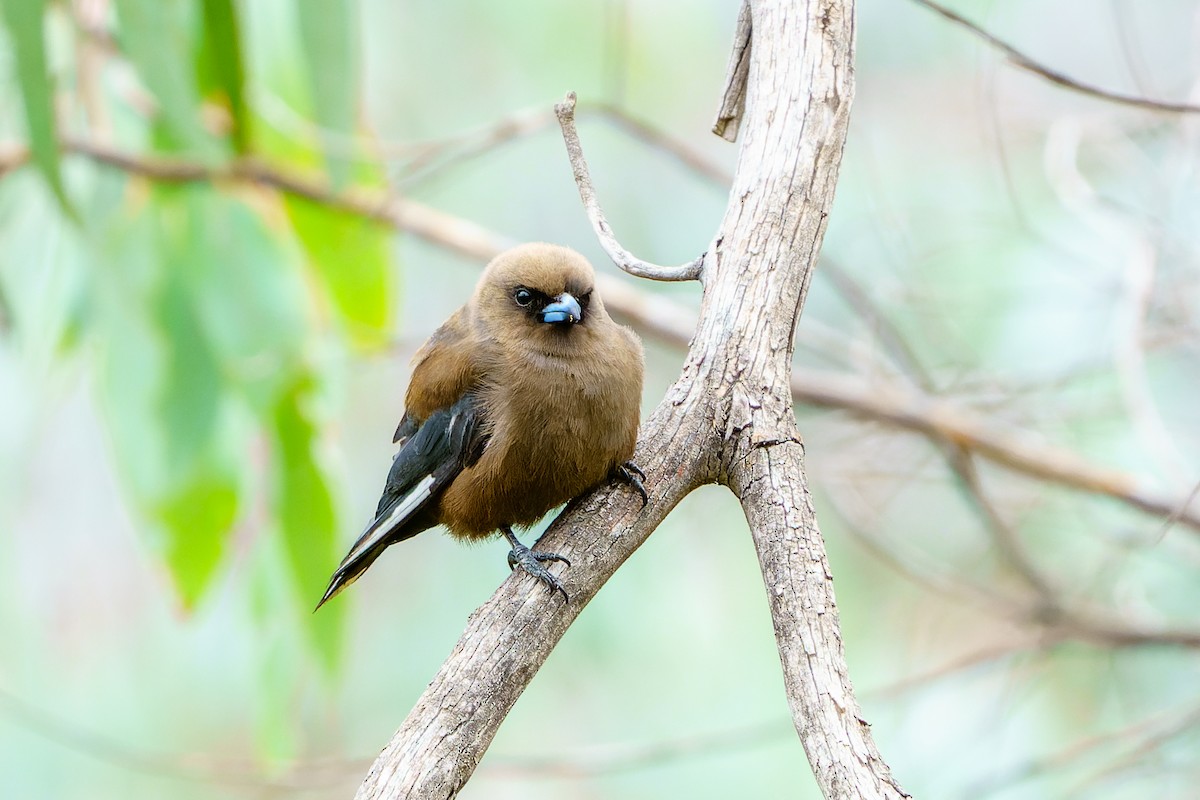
[{"x": 387, "y": 528}]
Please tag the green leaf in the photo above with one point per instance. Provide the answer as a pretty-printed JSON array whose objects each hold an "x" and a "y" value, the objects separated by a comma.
[
  {"x": 304, "y": 508},
  {"x": 131, "y": 353},
  {"x": 192, "y": 389},
  {"x": 327, "y": 33},
  {"x": 24, "y": 19},
  {"x": 352, "y": 256},
  {"x": 250, "y": 297},
  {"x": 197, "y": 516},
  {"x": 155, "y": 34},
  {"x": 164, "y": 394},
  {"x": 201, "y": 497},
  {"x": 222, "y": 53}
]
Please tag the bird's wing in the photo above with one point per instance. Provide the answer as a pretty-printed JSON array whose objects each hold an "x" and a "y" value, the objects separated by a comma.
[
  {"x": 448, "y": 442},
  {"x": 447, "y": 366}
]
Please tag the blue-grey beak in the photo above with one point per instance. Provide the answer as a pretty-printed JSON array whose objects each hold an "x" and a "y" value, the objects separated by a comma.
[{"x": 564, "y": 310}]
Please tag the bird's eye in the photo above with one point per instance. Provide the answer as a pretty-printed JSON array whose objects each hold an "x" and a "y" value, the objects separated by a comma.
[{"x": 523, "y": 297}]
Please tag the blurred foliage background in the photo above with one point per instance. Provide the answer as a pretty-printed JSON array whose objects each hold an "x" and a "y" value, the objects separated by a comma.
[{"x": 208, "y": 299}]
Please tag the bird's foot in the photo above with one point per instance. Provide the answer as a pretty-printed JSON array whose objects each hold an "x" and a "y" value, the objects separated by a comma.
[
  {"x": 631, "y": 474},
  {"x": 531, "y": 561}
]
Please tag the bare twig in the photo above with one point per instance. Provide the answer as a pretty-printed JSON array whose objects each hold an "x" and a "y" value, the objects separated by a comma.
[
  {"x": 12, "y": 157},
  {"x": 890, "y": 338},
  {"x": 1023, "y": 61},
  {"x": 968, "y": 661},
  {"x": 1008, "y": 542},
  {"x": 693, "y": 270}
]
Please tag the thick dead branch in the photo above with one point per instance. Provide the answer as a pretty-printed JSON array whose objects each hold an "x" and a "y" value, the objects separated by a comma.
[
  {"x": 508, "y": 638},
  {"x": 728, "y": 418},
  {"x": 770, "y": 482}
]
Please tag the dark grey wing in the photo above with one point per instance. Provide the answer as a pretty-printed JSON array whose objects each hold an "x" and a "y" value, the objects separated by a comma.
[
  {"x": 405, "y": 430},
  {"x": 433, "y": 454}
]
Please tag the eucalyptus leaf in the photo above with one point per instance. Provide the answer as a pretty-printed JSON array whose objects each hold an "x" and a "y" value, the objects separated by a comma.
[
  {"x": 304, "y": 508},
  {"x": 192, "y": 386},
  {"x": 154, "y": 34},
  {"x": 327, "y": 34},
  {"x": 197, "y": 516},
  {"x": 222, "y": 54},
  {"x": 24, "y": 19},
  {"x": 352, "y": 256}
]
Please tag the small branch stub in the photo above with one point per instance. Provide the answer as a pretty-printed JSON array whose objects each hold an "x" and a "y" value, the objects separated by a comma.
[
  {"x": 733, "y": 99},
  {"x": 693, "y": 270}
]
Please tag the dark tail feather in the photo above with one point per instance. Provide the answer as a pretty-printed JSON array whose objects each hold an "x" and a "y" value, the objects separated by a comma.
[
  {"x": 393, "y": 524},
  {"x": 450, "y": 440},
  {"x": 347, "y": 574}
]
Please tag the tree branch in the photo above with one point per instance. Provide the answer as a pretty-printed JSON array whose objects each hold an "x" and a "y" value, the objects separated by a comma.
[
  {"x": 693, "y": 270},
  {"x": 507, "y": 639},
  {"x": 941, "y": 421},
  {"x": 728, "y": 418},
  {"x": 1054, "y": 76},
  {"x": 771, "y": 485},
  {"x": 733, "y": 99}
]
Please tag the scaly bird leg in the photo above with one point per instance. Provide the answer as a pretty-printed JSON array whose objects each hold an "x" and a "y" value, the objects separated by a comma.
[
  {"x": 631, "y": 474},
  {"x": 530, "y": 561}
]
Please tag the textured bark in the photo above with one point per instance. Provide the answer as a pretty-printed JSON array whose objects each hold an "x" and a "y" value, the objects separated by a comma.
[{"x": 727, "y": 419}]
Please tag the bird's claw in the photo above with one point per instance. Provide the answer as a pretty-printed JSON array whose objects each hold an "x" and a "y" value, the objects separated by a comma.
[
  {"x": 531, "y": 561},
  {"x": 631, "y": 474}
]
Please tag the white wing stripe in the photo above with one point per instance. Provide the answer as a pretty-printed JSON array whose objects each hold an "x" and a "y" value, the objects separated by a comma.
[{"x": 414, "y": 498}]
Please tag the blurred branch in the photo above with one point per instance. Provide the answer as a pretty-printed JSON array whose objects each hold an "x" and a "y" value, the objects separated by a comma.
[
  {"x": 627, "y": 756},
  {"x": 1145, "y": 735},
  {"x": 1027, "y": 63},
  {"x": 1053, "y": 618},
  {"x": 5, "y": 312},
  {"x": 693, "y": 270},
  {"x": 12, "y": 156},
  {"x": 968, "y": 661},
  {"x": 1145, "y": 742},
  {"x": 1177, "y": 514},
  {"x": 638, "y": 129},
  {"x": 1008, "y": 542},
  {"x": 191, "y": 767},
  {"x": 941, "y": 421},
  {"x": 427, "y": 158},
  {"x": 957, "y": 456}
]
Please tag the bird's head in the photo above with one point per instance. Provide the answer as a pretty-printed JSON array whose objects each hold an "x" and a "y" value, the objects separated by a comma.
[{"x": 543, "y": 294}]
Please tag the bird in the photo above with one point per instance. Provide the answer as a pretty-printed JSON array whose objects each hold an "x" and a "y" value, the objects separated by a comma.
[{"x": 527, "y": 396}]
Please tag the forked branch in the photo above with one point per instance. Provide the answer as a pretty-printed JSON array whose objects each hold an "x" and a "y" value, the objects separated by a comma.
[{"x": 727, "y": 419}]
